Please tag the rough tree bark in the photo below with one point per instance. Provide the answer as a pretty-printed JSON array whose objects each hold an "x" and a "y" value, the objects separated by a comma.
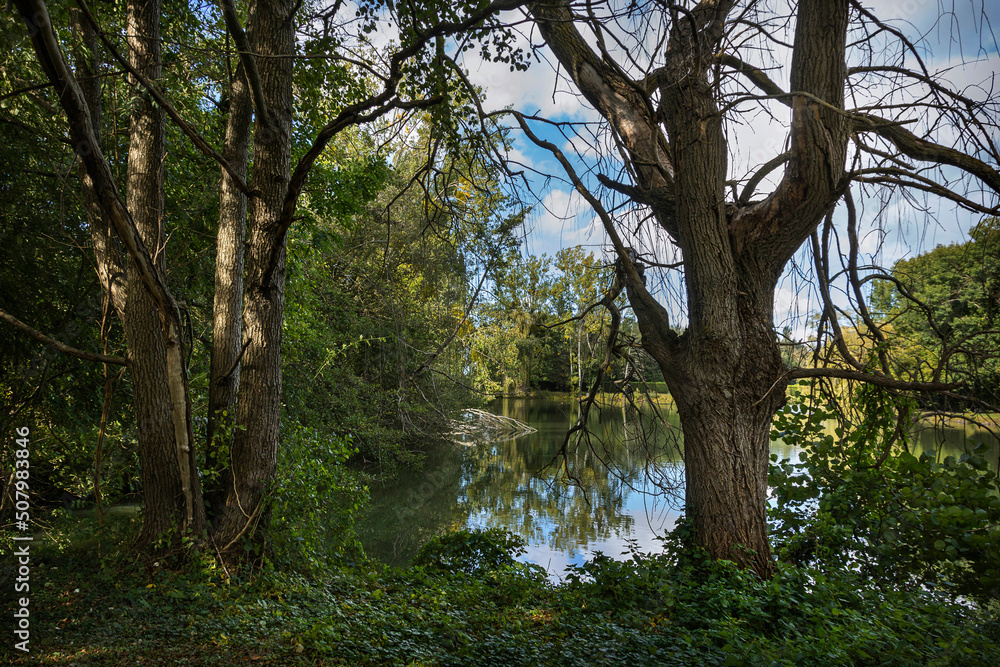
[
  {"x": 227, "y": 312},
  {"x": 146, "y": 349},
  {"x": 725, "y": 372},
  {"x": 253, "y": 454},
  {"x": 171, "y": 488}
]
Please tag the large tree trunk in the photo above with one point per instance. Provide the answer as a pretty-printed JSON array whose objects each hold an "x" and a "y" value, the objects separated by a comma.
[
  {"x": 727, "y": 391},
  {"x": 729, "y": 351},
  {"x": 227, "y": 313},
  {"x": 253, "y": 456},
  {"x": 725, "y": 372},
  {"x": 171, "y": 487},
  {"x": 169, "y": 477}
]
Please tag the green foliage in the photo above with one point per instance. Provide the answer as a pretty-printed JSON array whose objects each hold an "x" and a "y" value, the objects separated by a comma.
[
  {"x": 674, "y": 608},
  {"x": 314, "y": 503},
  {"x": 516, "y": 347},
  {"x": 715, "y": 613},
  {"x": 477, "y": 553},
  {"x": 379, "y": 278},
  {"x": 946, "y": 310},
  {"x": 860, "y": 501},
  {"x": 658, "y": 387}
]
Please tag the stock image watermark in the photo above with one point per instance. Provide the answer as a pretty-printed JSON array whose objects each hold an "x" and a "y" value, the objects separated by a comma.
[{"x": 22, "y": 541}]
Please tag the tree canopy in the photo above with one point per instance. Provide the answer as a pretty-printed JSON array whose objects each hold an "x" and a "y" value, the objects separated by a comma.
[{"x": 677, "y": 86}]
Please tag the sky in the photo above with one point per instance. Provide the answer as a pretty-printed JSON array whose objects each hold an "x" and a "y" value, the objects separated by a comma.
[{"x": 957, "y": 39}]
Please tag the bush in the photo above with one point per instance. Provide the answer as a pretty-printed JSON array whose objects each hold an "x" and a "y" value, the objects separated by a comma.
[
  {"x": 858, "y": 502},
  {"x": 477, "y": 553},
  {"x": 314, "y": 503}
]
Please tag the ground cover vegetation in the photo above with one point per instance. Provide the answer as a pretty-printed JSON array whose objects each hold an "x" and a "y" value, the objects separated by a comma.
[
  {"x": 468, "y": 600},
  {"x": 257, "y": 257}
]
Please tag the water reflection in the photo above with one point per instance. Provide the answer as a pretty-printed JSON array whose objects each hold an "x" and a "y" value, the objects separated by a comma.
[
  {"x": 623, "y": 483},
  {"x": 618, "y": 482},
  {"x": 944, "y": 438}
]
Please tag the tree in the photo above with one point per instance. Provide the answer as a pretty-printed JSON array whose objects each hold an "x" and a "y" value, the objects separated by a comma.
[
  {"x": 580, "y": 285},
  {"x": 521, "y": 300},
  {"x": 674, "y": 103},
  {"x": 944, "y": 306},
  {"x": 259, "y": 196}
]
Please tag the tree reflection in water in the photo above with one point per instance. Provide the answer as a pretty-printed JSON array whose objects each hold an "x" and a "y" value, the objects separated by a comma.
[{"x": 623, "y": 481}]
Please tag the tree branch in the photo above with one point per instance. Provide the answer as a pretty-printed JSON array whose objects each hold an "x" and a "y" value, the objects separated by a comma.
[
  {"x": 870, "y": 378},
  {"x": 905, "y": 141},
  {"x": 623, "y": 102},
  {"x": 813, "y": 179},
  {"x": 47, "y": 49},
  {"x": 759, "y": 176},
  {"x": 916, "y": 148},
  {"x": 162, "y": 101},
  {"x": 62, "y": 347},
  {"x": 249, "y": 61},
  {"x": 638, "y": 294},
  {"x": 367, "y": 110},
  {"x": 758, "y": 77}
]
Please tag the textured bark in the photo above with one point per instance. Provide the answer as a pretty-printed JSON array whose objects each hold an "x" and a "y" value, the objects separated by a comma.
[
  {"x": 170, "y": 503},
  {"x": 108, "y": 258},
  {"x": 155, "y": 362},
  {"x": 227, "y": 312},
  {"x": 725, "y": 372},
  {"x": 253, "y": 456}
]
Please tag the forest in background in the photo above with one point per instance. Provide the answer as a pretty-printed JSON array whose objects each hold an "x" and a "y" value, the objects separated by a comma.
[{"x": 405, "y": 296}]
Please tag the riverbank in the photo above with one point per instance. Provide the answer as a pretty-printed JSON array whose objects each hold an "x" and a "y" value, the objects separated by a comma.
[{"x": 92, "y": 603}]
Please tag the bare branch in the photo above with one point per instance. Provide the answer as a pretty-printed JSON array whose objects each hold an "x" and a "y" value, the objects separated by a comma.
[
  {"x": 916, "y": 148},
  {"x": 758, "y": 77},
  {"x": 62, "y": 347},
  {"x": 622, "y": 101},
  {"x": 638, "y": 293},
  {"x": 871, "y": 378},
  {"x": 760, "y": 175}
]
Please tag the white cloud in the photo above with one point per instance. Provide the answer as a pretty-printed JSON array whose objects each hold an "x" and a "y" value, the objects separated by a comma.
[
  {"x": 538, "y": 90},
  {"x": 563, "y": 219},
  {"x": 975, "y": 78},
  {"x": 918, "y": 12},
  {"x": 580, "y": 147}
]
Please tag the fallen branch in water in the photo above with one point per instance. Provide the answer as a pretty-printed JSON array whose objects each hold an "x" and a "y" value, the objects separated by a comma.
[{"x": 477, "y": 426}]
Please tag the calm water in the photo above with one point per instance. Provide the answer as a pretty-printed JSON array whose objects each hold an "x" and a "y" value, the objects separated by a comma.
[{"x": 624, "y": 484}]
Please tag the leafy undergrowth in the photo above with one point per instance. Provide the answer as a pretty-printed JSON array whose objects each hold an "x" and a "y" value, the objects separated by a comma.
[{"x": 472, "y": 604}]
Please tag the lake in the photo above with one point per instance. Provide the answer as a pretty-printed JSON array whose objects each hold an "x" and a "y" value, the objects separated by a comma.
[{"x": 623, "y": 486}]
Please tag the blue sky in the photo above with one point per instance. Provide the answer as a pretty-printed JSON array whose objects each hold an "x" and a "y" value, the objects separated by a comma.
[{"x": 958, "y": 37}]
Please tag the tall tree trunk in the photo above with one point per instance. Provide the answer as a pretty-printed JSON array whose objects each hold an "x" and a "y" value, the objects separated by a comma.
[
  {"x": 169, "y": 476},
  {"x": 227, "y": 313},
  {"x": 254, "y": 450},
  {"x": 716, "y": 387},
  {"x": 108, "y": 259},
  {"x": 171, "y": 488},
  {"x": 727, "y": 391},
  {"x": 725, "y": 371}
]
